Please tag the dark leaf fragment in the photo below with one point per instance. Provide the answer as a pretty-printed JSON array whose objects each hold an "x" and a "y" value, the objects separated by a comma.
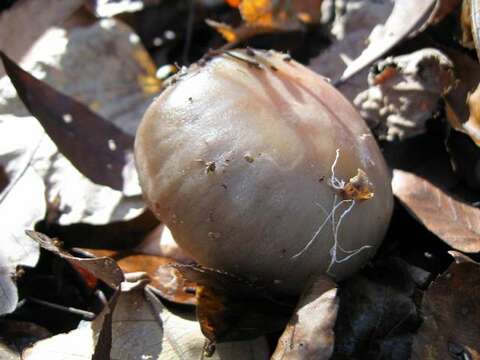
[
  {"x": 103, "y": 268},
  {"x": 97, "y": 148},
  {"x": 451, "y": 311},
  {"x": 377, "y": 313},
  {"x": 230, "y": 308}
]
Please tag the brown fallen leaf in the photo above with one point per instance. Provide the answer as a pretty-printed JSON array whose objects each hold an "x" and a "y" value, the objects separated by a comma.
[
  {"x": 141, "y": 328},
  {"x": 406, "y": 17},
  {"x": 453, "y": 221},
  {"x": 377, "y": 313},
  {"x": 97, "y": 148},
  {"x": 309, "y": 333},
  {"x": 475, "y": 23},
  {"x": 24, "y": 187},
  {"x": 462, "y": 101},
  {"x": 116, "y": 235},
  {"x": 103, "y": 268},
  {"x": 267, "y": 16},
  {"x": 451, "y": 311},
  {"x": 28, "y": 20},
  {"x": 230, "y": 308},
  {"x": 401, "y": 85},
  {"x": 167, "y": 282}
]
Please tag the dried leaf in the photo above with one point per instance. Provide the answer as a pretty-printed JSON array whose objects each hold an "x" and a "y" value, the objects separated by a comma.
[
  {"x": 167, "y": 282},
  {"x": 377, "y": 313},
  {"x": 78, "y": 344},
  {"x": 116, "y": 235},
  {"x": 103, "y": 268},
  {"x": 69, "y": 60},
  {"x": 399, "y": 86},
  {"x": 28, "y": 20},
  {"x": 309, "y": 334},
  {"x": 352, "y": 25},
  {"x": 142, "y": 328},
  {"x": 444, "y": 8},
  {"x": 267, "y": 16},
  {"x": 85, "y": 138},
  {"x": 472, "y": 126},
  {"x": 406, "y": 17},
  {"x": 25, "y": 187},
  {"x": 451, "y": 309},
  {"x": 231, "y": 309},
  {"x": 257, "y": 12},
  {"x": 475, "y": 23},
  {"x": 455, "y": 222}
]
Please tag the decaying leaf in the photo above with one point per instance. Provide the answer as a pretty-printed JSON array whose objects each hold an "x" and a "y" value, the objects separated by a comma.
[
  {"x": 472, "y": 126},
  {"x": 78, "y": 344},
  {"x": 231, "y": 309},
  {"x": 103, "y": 268},
  {"x": 475, "y": 24},
  {"x": 266, "y": 16},
  {"x": 309, "y": 333},
  {"x": 17, "y": 335},
  {"x": 455, "y": 222},
  {"x": 97, "y": 148},
  {"x": 142, "y": 328},
  {"x": 451, "y": 309},
  {"x": 404, "y": 92},
  {"x": 28, "y": 20},
  {"x": 407, "y": 16},
  {"x": 461, "y": 102},
  {"x": 168, "y": 284},
  {"x": 353, "y": 22},
  {"x": 24, "y": 187},
  {"x": 377, "y": 313},
  {"x": 69, "y": 61}
]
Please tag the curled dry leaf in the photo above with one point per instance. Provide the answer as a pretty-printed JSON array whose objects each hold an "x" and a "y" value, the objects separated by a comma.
[
  {"x": 451, "y": 309},
  {"x": 407, "y": 16},
  {"x": 103, "y": 268},
  {"x": 231, "y": 309},
  {"x": 399, "y": 86},
  {"x": 309, "y": 333},
  {"x": 163, "y": 277},
  {"x": 97, "y": 148},
  {"x": 453, "y": 221}
]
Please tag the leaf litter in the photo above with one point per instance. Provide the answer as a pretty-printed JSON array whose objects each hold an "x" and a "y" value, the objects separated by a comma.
[{"x": 379, "y": 309}]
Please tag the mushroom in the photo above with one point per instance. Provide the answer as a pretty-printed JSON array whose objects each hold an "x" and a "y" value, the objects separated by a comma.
[{"x": 260, "y": 167}]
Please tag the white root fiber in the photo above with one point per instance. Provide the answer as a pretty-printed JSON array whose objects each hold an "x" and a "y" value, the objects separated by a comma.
[{"x": 336, "y": 250}]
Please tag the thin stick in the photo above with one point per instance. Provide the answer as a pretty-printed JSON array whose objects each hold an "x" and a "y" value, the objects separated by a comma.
[
  {"x": 87, "y": 315},
  {"x": 190, "y": 25}
]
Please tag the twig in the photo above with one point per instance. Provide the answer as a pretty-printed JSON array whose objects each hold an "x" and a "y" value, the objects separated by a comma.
[{"x": 87, "y": 315}]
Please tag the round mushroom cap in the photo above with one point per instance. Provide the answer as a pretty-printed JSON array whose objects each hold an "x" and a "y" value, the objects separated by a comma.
[{"x": 261, "y": 168}]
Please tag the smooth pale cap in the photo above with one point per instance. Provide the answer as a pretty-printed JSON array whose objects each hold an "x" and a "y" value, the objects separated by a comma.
[{"x": 236, "y": 160}]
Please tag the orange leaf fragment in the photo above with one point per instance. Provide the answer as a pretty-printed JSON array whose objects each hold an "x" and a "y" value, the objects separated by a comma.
[
  {"x": 359, "y": 187},
  {"x": 233, "y": 3}
]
